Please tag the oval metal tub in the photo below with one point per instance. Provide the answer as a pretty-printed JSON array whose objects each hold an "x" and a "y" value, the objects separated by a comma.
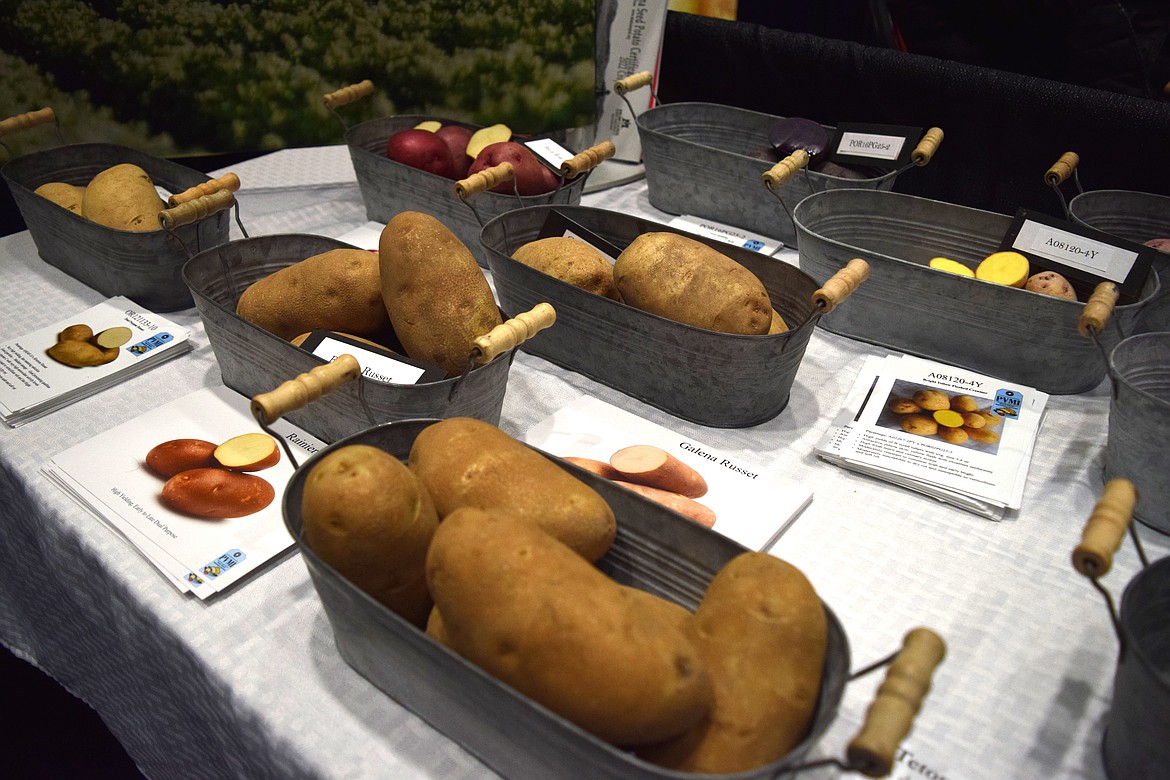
[
  {"x": 1137, "y": 217},
  {"x": 389, "y": 187},
  {"x": 254, "y": 361},
  {"x": 143, "y": 266},
  {"x": 701, "y": 160},
  {"x": 656, "y": 550},
  {"x": 905, "y": 305},
  {"x": 716, "y": 379}
]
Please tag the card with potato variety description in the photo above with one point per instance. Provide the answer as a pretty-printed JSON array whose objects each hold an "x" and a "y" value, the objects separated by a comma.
[
  {"x": 195, "y": 485},
  {"x": 716, "y": 489},
  {"x": 60, "y": 363},
  {"x": 959, "y": 436}
]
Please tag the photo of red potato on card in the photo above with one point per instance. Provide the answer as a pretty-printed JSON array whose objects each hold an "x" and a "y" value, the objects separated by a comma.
[{"x": 657, "y": 475}]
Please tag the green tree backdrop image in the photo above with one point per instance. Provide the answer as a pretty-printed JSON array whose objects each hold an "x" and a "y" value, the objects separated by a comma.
[{"x": 180, "y": 77}]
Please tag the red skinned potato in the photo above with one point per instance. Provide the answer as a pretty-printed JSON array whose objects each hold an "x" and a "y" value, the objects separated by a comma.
[
  {"x": 1051, "y": 283},
  {"x": 217, "y": 493},
  {"x": 171, "y": 457},
  {"x": 532, "y": 176},
  {"x": 420, "y": 149},
  {"x": 654, "y": 466},
  {"x": 456, "y": 138},
  {"x": 688, "y": 507},
  {"x": 1161, "y": 244}
]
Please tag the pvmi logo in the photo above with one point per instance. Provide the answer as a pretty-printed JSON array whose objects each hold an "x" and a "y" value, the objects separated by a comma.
[{"x": 753, "y": 244}]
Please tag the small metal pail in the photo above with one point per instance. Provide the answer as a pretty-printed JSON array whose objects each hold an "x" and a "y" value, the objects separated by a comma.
[{"x": 1139, "y": 425}]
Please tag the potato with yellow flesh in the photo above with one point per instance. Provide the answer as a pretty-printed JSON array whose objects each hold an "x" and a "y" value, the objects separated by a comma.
[
  {"x": 763, "y": 635},
  {"x": 368, "y": 516},
  {"x": 67, "y": 196},
  {"x": 123, "y": 197},
  {"x": 463, "y": 461},
  {"x": 540, "y": 618},
  {"x": 437, "y": 297},
  {"x": 685, "y": 280},
  {"x": 572, "y": 261},
  {"x": 950, "y": 266},
  {"x": 1051, "y": 283},
  {"x": 1010, "y": 268},
  {"x": 338, "y": 290}
]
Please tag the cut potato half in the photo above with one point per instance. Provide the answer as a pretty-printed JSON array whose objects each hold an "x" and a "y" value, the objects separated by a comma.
[{"x": 248, "y": 452}]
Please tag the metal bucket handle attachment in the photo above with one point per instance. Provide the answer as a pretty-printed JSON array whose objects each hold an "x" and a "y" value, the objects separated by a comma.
[
  {"x": 891, "y": 714},
  {"x": 229, "y": 182},
  {"x": 585, "y": 161},
  {"x": 483, "y": 181},
  {"x": 26, "y": 121},
  {"x": 196, "y": 209},
  {"x": 295, "y": 393},
  {"x": 839, "y": 286},
  {"x": 782, "y": 172},
  {"x": 345, "y": 96},
  {"x": 1101, "y": 537},
  {"x": 1059, "y": 172},
  {"x": 632, "y": 82},
  {"x": 509, "y": 334},
  {"x": 1097, "y": 313}
]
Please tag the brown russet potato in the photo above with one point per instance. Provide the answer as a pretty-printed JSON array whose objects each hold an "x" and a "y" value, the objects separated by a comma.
[
  {"x": 337, "y": 290},
  {"x": 463, "y": 461},
  {"x": 368, "y": 516},
  {"x": 571, "y": 260},
  {"x": 437, "y": 296},
  {"x": 687, "y": 281},
  {"x": 542, "y": 619},
  {"x": 217, "y": 493},
  {"x": 67, "y": 196},
  {"x": 79, "y": 332},
  {"x": 171, "y": 457},
  {"x": 763, "y": 634},
  {"x": 778, "y": 325},
  {"x": 123, "y": 197}
]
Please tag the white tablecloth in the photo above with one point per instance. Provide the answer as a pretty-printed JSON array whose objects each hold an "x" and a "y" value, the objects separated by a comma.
[{"x": 251, "y": 685}]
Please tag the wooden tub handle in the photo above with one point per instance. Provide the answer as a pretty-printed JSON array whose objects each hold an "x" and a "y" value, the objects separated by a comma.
[
  {"x": 513, "y": 332},
  {"x": 588, "y": 159},
  {"x": 347, "y": 95},
  {"x": 785, "y": 169},
  {"x": 926, "y": 148},
  {"x": 899, "y": 697},
  {"x": 197, "y": 209},
  {"x": 26, "y": 121},
  {"x": 1061, "y": 169},
  {"x": 1105, "y": 529},
  {"x": 485, "y": 179},
  {"x": 841, "y": 284},
  {"x": 305, "y": 388},
  {"x": 229, "y": 182},
  {"x": 632, "y": 82},
  {"x": 1098, "y": 309}
]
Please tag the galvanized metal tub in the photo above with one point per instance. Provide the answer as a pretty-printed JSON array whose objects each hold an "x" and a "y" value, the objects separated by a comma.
[
  {"x": 254, "y": 361},
  {"x": 1135, "y": 743},
  {"x": 716, "y": 379},
  {"x": 1013, "y": 334},
  {"x": 699, "y": 161},
  {"x": 389, "y": 187},
  {"x": 143, "y": 266},
  {"x": 1137, "y": 217},
  {"x": 1139, "y": 424},
  {"x": 655, "y": 550}
]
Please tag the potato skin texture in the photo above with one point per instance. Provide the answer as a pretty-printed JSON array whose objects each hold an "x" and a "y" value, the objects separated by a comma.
[
  {"x": 763, "y": 634},
  {"x": 463, "y": 461},
  {"x": 123, "y": 197},
  {"x": 217, "y": 493},
  {"x": 537, "y": 616},
  {"x": 67, "y": 196},
  {"x": 170, "y": 457},
  {"x": 437, "y": 296},
  {"x": 367, "y": 515},
  {"x": 572, "y": 261},
  {"x": 338, "y": 290},
  {"x": 689, "y": 282}
]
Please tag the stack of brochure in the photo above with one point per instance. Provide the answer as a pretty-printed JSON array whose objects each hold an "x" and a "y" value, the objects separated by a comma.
[
  {"x": 56, "y": 365},
  {"x": 201, "y": 542},
  {"x": 731, "y": 490},
  {"x": 958, "y": 436}
]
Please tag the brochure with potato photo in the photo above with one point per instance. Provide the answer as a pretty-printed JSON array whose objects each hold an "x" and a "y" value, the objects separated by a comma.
[
  {"x": 716, "y": 490},
  {"x": 57, "y": 364},
  {"x": 959, "y": 436},
  {"x": 194, "y": 485}
]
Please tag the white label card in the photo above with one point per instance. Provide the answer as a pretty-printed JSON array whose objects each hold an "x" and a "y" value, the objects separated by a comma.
[
  {"x": 881, "y": 147},
  {"x": 1080, "y": 252},
  {"x": 374, "y": 366},
  {"x": 550, "y": 151}
]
